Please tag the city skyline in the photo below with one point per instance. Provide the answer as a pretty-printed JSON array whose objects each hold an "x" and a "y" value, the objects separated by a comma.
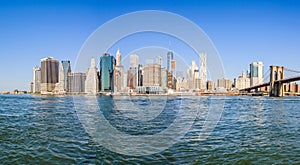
[{"x": 258, "y": 31}]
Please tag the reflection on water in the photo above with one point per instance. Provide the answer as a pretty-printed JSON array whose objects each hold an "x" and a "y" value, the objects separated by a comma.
[{"x": 258, "y": 130}]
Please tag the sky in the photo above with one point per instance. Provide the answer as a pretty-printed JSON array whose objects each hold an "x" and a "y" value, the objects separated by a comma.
[{"x": 242, "y": 31}]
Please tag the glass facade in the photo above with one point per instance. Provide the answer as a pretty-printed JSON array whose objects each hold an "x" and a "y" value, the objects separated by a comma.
[{"x": 107, "y": 63}]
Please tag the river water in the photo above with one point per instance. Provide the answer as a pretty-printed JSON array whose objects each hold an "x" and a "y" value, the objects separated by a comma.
[{"x": 54, "y": 130}]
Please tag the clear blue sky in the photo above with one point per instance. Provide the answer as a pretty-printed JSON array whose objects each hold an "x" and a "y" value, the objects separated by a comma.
[{"x": 242, "y": 31}]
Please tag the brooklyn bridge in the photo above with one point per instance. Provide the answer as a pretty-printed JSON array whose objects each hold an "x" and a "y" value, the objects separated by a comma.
[{"x": 276, "y": 79}]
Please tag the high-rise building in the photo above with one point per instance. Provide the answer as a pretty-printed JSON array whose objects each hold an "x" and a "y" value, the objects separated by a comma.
[
  {"x": 118, "y": 73},
  {"x": 91, "y": 81},
  {"x": 152, "y": 75},
  {"x": 76, "y": 83},
  {"x": 203, "y": 72},
  {"x": 134, "y": 60},
  {"x": 107, "y": 64},
  {"x": 36, "y": 83},
  {"x": 256, "y": 73},
  {"x": 118, "y": 58},
  {"x": 132, "y": 77},
  {"x": 192, "y": 74},
  {"x": 224, "y": 83},
  {"x": 242, "y": 82},
  {"x": 65, "y": 69},
  {"x": 49, "y": 74},
  {"x": 170, "y": 57},
  {"x": 164, "y": 79}
]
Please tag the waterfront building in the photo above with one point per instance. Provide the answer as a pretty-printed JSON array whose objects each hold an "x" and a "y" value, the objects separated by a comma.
[
  {"x": 203, "y": 71},
  {"x": 49, "y": 74},
  {"x": 152, "y": 75},
  {"x": 242, "y": 82},
  {"x": 76, "y": 83},
  {"x": 107, "y": 64},
  {"x": 256, "y": 73},
  {"x": 118, "y": 73},
  {"x": 224, "y": 83},
  {"x": 210, "y": 86},
  {"x": 149, "y": 90},
  {"x": 91, "y": 85},
  {"x": 65, "y": 69},
  {"x": 36, "y": 82},
  {"x": 181, "y": 84}
]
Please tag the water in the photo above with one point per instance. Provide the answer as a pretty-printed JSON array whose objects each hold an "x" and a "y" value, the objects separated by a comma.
[{"x": 252, "y": 130}]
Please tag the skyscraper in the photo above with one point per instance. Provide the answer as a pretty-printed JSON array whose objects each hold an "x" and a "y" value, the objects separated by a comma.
[
  {"x": 76, "y": 83},
  {"x": 65, "y": 69},
  {"x": 107, "y": 63},
  {"x": 256, "y": 73},
  {"x": 118, "y": 58},
  {"x": 49, "y": 74},
  {"x": 118, "y": 73},
  {"x": 152, "y": 75},
  {"x": 203, "y": 72},
  {"x": 170, "y": 57},
  {"x": 91, "y": 81},
  {"x": 192, "y": 75},
  {"x": 36, "y": 86}
]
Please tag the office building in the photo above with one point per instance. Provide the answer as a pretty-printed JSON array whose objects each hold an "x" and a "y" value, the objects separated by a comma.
[
  {"x": 256, "y": 73},
  {"x": 76, "y": 83},
  {"x": 170, "y": 57},
  {"x": 49, "y": 74},
  {"x": 242, "y": 82},
  {"x": 210, "y": 86},
  {"x": 118, "y": 73},
  {"x": 192, "y": 74},
  {"x": 203, "y": 72},
  {"x": 224, "y": 84},
  {"x": 91, "y": 82},
  {"x": 65, "y": 69},
  {"x": 152, "y": 75},
  {"x": 107, "y": 64},
  {"x": 36, "y": 82}
]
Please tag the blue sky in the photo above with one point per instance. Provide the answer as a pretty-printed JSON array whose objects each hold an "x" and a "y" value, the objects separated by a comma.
[{"x": 242, "y": 31}]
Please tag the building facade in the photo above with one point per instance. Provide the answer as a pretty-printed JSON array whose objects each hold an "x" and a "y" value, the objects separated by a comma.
[
  {"x": 256, "y": 73},
  {"x": 242, "y": 82},
  {"x": 152, "y": 75},
  {"x": 107, "y": 64},
  {"x": 49, "y": 74},
  {"x": 36, "y": 82},
  {"x": 65, "y": 69},
  {"x": 224, "y": 83},
  {"x": 203, "y": 71},
  {"x": 76, "y": 83},
  {"x": 91, "y": 85}
]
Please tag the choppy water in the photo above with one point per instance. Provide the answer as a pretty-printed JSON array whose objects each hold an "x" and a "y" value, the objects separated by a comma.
[{"x": 252, "y": 130}]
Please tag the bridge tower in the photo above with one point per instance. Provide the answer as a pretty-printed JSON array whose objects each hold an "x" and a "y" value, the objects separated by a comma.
[{"x": 276, "y": 87}]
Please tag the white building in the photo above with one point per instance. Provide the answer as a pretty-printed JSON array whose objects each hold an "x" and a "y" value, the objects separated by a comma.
[
  {"x": 191, "y": 75},
  {"x": 91, "y": 82},
  {"x": 134, "y": 60},
  {"x": 118, "y": 74},
  {"x": 242, "y": 82},
  {"x": 36, "y": 86},
  {"x": 203, "y": 71}
]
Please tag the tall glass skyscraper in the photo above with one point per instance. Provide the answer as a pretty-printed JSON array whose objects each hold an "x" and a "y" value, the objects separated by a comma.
[
  {"x": 170, "y": 57},
  {"x": 107, "y": 63}
]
